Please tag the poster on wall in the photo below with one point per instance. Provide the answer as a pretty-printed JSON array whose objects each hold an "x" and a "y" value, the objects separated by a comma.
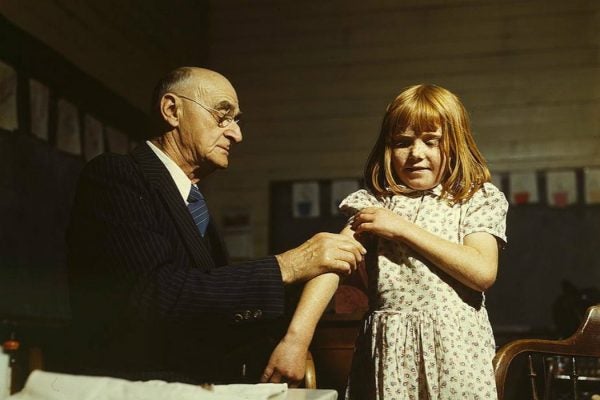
[
  {"x": 67, "y": 132},
  {"x": 93, "y": 137},
  {"x": 38, "y": 106},
  {"x": 305, "y": 199},
  {"x": 561, "y": 188},
  {"x": 592, "y": 185},
  {"x": 118, "y": 142},
  {"x": 8, "y": 97},
  {"x": 523, "y": 188},
  {"x": 339, "y": 190},
  {"x": 237, "y": 233}
]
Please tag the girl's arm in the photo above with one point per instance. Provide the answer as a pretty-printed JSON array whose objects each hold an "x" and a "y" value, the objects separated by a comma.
[
  {"x": 288, "y": 360},
  {"x": 474, "y": 263}
]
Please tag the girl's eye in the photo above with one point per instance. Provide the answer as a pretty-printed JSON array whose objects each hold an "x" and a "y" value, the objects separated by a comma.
[
  {"x": 402, "y": 143},
  {"x": 432, "y": 142}
]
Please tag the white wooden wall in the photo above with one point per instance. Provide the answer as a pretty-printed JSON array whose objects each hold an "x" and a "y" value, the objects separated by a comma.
[{"x": 314, "y": 78}]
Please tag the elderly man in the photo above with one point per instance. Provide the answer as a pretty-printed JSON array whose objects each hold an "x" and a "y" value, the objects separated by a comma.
[{"x": 152, "y": 293}]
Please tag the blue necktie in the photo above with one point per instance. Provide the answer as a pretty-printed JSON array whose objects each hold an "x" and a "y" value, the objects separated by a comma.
[{"x": 198, "y": 209}]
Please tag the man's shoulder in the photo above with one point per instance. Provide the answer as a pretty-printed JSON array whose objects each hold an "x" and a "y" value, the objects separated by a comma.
[
  {"x": 110, "y": 158},
  {"x": 111, "y": 164}
]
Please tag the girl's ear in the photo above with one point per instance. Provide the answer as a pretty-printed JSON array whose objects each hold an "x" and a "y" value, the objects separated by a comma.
[{"x": 169, "y": 110}]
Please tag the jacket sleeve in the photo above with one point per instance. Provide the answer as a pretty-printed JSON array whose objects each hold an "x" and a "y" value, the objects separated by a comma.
[{"x": 125, "y": 253}]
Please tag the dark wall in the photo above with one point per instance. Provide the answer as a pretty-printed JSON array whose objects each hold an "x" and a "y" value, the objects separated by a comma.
[
  {"x": 546, "y": 246},
  {"x": 37, "y": 184}
]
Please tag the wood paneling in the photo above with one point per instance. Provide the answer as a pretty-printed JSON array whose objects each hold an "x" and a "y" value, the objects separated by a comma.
[{"x": 314, "y": 79}]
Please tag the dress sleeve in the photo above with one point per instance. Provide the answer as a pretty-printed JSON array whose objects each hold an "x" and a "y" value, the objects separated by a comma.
[
  {"x": 358, "y": 200},
  {"x": 486, "y": 212}
]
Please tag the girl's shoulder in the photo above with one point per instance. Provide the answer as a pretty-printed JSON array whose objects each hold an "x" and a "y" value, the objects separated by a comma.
[
  {"x": 358, "y": 200},
  {"x": 488, "y": 193}
]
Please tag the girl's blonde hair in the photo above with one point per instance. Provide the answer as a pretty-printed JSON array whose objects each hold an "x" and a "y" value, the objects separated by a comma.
[{"x": 424, "y": 108}]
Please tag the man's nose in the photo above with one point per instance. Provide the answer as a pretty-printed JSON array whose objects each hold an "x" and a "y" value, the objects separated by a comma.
[{"x": 234, "y": 133}]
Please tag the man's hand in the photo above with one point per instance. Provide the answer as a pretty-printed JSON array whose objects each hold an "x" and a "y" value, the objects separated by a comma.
[
  {"x": 287, "y": 363},
  {"x": 324, "y": 252}
]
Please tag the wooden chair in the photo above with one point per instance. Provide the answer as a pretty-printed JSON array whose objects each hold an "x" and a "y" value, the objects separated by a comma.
[
  {"x": 585, "y": 342},
  {"x": 310, "y": 377}
]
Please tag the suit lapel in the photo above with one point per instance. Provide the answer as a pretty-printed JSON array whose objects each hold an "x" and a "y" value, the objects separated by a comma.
[{"x": 159, "y": 178}]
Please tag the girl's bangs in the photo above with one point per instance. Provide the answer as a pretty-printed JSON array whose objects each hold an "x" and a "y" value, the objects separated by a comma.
[{"x": 421, "y": 116}]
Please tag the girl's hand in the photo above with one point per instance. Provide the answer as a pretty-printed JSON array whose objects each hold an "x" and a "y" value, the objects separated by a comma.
[
  {"x": 379, "y": 221},
  {"x": 287, "y": 363}
]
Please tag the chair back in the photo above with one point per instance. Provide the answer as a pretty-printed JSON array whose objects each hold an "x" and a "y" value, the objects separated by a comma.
[{"x": 585, "y": 342}]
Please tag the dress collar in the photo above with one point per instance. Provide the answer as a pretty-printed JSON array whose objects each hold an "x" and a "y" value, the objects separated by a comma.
[{"x": 435, "y": 191}]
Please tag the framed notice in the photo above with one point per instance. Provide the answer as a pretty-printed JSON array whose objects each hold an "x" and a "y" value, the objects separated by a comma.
[
  {"x": 93, "y": 137},
  {"x": 38, "y": 106},
  {"x": 523, "y": 187},
  {"x": 561, "y": 188},
  {"x": 67, "y": 133},
  {"x": 118, "y": 142},
  {"x": 237, "y": 233},
  {"x": 592, "y": 185},
  {"x": 8, "y": 97},
  {"x": 305, "y": 199}
]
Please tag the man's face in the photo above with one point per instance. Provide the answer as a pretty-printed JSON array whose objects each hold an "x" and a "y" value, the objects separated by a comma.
[
  {"x": 417, "y": 158},
  {"x": 206, "y": 144}
]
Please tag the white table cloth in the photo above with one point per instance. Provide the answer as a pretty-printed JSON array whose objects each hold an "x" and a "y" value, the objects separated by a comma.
[{"x": 43, "y": 385}]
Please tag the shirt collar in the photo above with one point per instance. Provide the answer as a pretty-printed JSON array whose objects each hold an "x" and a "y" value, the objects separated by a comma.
[
  {"x": 182, "y": 182},
  {"x": 435, "y": 191}
]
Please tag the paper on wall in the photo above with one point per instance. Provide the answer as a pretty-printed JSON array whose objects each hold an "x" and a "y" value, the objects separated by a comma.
[
  {"x": 523, "y": 187},
  {"x": 39, "y": 106},
  {"x": 8, "y": 97},
  {"x": 118, "y": 142},
  {"x": 592, "y": 185},
  {"x": 67, "y": 133},
  {"x": 561, "y": 188},
  {"x": 305, "y": 199},
  {"x": 93, "y": 137}
]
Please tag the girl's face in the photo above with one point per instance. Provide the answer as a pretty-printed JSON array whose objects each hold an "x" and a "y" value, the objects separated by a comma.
[{"x": 417, "y": 158}]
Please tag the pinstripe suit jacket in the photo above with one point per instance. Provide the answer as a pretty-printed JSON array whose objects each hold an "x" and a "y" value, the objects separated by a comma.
[{"x": 150, "y": 297}]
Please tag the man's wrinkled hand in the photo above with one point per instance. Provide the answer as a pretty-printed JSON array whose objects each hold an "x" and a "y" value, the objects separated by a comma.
[{"x": 324, "y": 252}]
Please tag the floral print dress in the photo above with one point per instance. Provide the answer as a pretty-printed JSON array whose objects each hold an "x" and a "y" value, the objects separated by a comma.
[{"x": 427, "y": 335}]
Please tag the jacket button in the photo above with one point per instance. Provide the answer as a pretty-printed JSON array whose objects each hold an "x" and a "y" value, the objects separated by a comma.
[
  {"x": 247, "y": 314},
  {"x": 238, "y": 317},
  {"x": 257, "y": 314}
]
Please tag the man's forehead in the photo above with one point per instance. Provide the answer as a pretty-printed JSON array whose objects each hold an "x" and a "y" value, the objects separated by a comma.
[{"x": 218, "y": 96}]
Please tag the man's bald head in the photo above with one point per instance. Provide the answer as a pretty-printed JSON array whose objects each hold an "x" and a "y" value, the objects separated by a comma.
[
  {"x": 191, "y": 81},
  {"x": 182, "y": 78}
]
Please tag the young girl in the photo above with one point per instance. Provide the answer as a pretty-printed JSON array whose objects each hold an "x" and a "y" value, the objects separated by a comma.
[{"x": 437, "y": 224}]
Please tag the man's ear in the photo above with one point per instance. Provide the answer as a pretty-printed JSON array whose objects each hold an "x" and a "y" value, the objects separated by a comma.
[{"x": 169, "y": 110}]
